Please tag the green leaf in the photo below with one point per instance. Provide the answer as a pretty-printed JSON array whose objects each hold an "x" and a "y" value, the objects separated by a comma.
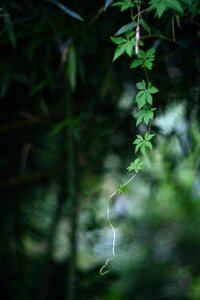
[
  {"x": 144, "y": 115},
  {"x": 148, "y": 116},
  {"x": 138, "y": 140},
  {"x": 143, "y": 149},
  {"x": 138, "y": 146},
  {"x": 121, "y": 189},
  {"x": 145, "y": 59},
  {"x": 150, "y": 52},
  {"x": 124, "y": 5},
  {"x": 140, "y": 115},
  {"x": 159, "y": 6},
  {"x": 119, "y": 51},
  {"x": 126, "y": 28},
  {"x": 144, "y": 95},
  {"x": 149, "y": 98},
  {"x": 141, "y": 99},
  {"x": 143, "y": 143},
  {"x": 162, "y": 5},
  {"x": 148, "y": 136},
  {"x": 148, "y": 64},
  {"x": 174, "y": 4},
  {"x": 136, "y": 165},
  {"x": 142, "y": 54},
  {"x": 148, "y": 145},
  {"x": 144, "y": 24},
  {"x": 118, "y": 40},
  {"x": 153, "y": 90},
  {"x": 10, "y": 29},
  {"x": 136, "y": 63},
  {"x": 129, "y": 47},
  {"x": 141, "y": 85}
]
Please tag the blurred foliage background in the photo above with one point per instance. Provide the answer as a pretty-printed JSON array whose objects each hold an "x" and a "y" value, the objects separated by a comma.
[{"x": 66, "y": 129}]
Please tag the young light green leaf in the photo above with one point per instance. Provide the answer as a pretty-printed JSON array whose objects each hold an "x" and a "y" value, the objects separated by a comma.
[
  {"x": 148, "y": 117},
  {"x": 144, "y": 115},
  {"x": 148, "y": 145},
  {"x": 136, "y": 165},
  {"x": 148, "y": 136},
  {"x": 142, "y": 143},
  {"x": 143, "y": 149},
  {"x": 144, "y": 96},
  {"x": 138, "y": 146},
  {"x": 149, "y": 97},
  {"x": 141, "y": 99},
  {"x": 138, "y": 140},
  {"x": 121, "y": 189},
  {"x": 153, "y": 90},
  {"x": 140, "y": 115},
  {"x": 141, "y": 85}
]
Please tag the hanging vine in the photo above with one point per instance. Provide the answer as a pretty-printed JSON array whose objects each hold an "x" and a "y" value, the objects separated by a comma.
[{"x": 129, "y": 41}]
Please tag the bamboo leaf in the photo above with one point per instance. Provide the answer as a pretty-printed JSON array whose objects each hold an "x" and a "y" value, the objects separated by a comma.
[
  {"x": 107, "y": 3},
  {"x": 126, "y": 28},
  {"x": 66, "y": 10},
  {"x": 10, "y": 29}
]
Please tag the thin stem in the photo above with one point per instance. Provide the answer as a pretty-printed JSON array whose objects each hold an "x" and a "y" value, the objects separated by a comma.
[
  {"x": 103, "y": 270},
  {"x": 161, "y": 37},
  {"x": 140, "y": 13},
  {"x": 173, "y": 30},
  {"x": 127, "y": 182},
  {"x": 146, "y": 74}
]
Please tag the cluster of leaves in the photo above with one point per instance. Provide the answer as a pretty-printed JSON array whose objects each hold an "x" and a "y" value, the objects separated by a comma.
[
  {"x": 144, "y": 59},
  {"x": 180, "y": 7},
  {"x": 126, "y": 39}
]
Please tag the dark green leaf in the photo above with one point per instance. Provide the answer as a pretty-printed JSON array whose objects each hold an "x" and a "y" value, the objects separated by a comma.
[
  {"x": 136, "y": 63},
  {"x": 119, "y": 51},
  {"x": 10, "y": 29},
  {"x": 174, "y": 4},
  {"x": 148, "y": 64},
  {"x": 118, "y": 40},
  {"x": 126, "y": 28}
]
